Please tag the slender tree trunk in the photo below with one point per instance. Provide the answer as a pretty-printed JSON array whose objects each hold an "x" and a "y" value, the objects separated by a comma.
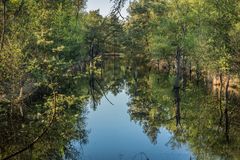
[
  {"x": 184, "y": 74},
  {"x": 221, "y": 80},
  {"x": 19, "y": 98},
  {"x": 227, "y": 125},
  {"x": 92, "y": 85},
  {"x": 178, "y": 110},
  {"x": 135, "y": 77},
  {"x": 3, "y": 24},
  {"x": 114, "y": 67},
  {"x": 178, "y": 66},
  {"x": 198, "y": 74},
  {"x": 220, "y": 99},
  {"x": 190, "y": 71},
  {"x": 177, "y": 86}
]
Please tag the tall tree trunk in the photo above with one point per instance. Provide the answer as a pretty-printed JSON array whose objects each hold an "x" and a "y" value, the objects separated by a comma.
[
  {"x": 177, "y": 86},
  {"x": 184, "y": 74},
  {"x": 198, "y": 73},
  {"x": 190, "y": 71},
  {"x": 3, "y": 24},
  {"x": 19, "y": 98},
  {"x": 178, "y": 66},
  {"x": 135, "y": 77},
  {"x": 92, "y": 85},
  {"x": 114, "y": 67},
  {"x": 220, "y": 99},
  {"x": 227, "y": 125}
]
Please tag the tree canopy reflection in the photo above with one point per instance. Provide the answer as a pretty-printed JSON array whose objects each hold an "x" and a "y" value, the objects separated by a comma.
[{"x": 204, "y": 118}]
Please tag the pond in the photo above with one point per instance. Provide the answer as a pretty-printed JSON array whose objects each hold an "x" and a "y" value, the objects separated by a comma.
[
  {"x": 122, "y": 110},
  {"x": 114, "y": 135}
]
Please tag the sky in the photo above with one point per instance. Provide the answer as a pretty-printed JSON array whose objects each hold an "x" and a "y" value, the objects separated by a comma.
[{"x": 104, "y": 6}]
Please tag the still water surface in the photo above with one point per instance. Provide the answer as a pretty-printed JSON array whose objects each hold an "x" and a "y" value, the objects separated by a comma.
[
  {"x": 113, "y": 135},
  {"x": 120, "y": 110}
]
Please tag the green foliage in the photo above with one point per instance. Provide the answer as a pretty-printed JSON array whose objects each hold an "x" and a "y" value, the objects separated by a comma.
[
  {"x": 47, "y": 43},
  {"x": 206, "y": 32}
]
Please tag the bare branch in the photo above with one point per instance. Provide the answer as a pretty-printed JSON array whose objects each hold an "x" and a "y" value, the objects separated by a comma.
[{"x": 118, "y": 5}]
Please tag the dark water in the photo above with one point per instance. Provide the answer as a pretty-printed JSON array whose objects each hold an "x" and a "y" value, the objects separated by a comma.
[{"x": 123, "y": 111}]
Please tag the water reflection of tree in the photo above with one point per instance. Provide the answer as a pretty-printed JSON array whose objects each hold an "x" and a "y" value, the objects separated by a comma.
[
  {"x": 104, "y": 78},
  {"x": 143, "y": 108},
  {"x": 206, "y": 134},
  {"x": 203, "y": 116},
  {"x": 153, "y": 107},
  {"x": 113, "y": 76},
  {"x": 18, "y": 132}
]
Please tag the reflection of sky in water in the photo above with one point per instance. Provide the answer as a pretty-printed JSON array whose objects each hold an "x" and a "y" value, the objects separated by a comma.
[{"x": 113, "y": 136}]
